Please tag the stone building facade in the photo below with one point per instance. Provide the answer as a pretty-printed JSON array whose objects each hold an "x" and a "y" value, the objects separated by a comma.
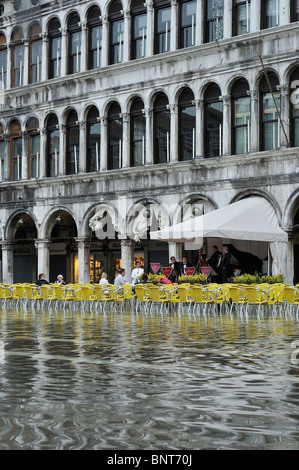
[{"x": 109, "y": 108}]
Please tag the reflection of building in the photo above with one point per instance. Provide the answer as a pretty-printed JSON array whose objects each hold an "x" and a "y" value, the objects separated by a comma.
[{"x": 106, "y": 104}]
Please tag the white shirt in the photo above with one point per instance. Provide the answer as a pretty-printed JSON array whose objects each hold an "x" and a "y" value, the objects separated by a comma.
[
  {"x": 135, "y": 273},
  {"x": 103, "y": 281},
  {"x": 119, "y": 280}
]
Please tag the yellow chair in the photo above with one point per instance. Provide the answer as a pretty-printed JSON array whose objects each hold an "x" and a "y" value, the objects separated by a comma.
[
  {"x": 235, "y": 296},
  {"x": 201, "y": 298},
  {"x": 287, "y": 299},
  {"x": 185, "y": 296},
  {"x": 158, "y": 297},
  {"x": 142, "y": 292},
  {"x": 255, "y": 297}
]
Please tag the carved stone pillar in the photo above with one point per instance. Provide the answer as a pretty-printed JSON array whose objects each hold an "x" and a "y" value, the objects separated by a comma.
[
  {"x": 199, "y": 134},
  {"x": 149, "y": 136},
  {"x": 150, "y": 29},
  {"x": 43, "y": 258},
  {"x": 104, "y": 144},
  {"x": 105, "y": 40},
  {"x": 254, "y": 135},
  {"x": 226, "y": 126},
  {"x": 173, "y": 142},
  {"x": 284, "y": 132},
  {"x": 64, "y": 52},
  {"x": 45, "y": 57},
  {"x": 174, "y": 26},
  {"x": 7, "y": 261},
  {"x": 82, "y": 147},
  {"x": 24, "y": 158},
  {"x": 83, "y": 259},
  {"x": 127, "y": 257},
  {"x": 61, "y": 167},
  {"x": 126, "y": 140}
]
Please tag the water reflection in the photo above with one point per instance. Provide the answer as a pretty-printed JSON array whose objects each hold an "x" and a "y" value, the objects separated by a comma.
[{"x": 133, "y": 381}]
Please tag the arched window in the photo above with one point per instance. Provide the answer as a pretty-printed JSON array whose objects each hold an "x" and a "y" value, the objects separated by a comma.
[
  {"x": 213, "y": 20},
  {"x": 161, "y": 129},
  {"x": 72, "y": 142},
  {"x": 55, "y": 48},
  {"x": 35, "y": 54},
  {"x": 294, "y": 10},
  {"x": 213, "y": 121},
  {"x": 138, "y": 132},
  {"x": 115, "y": 136},
  {"x": 94, "y": 24},
  {"x": 138, "y": 29},
  {"x": 15, "y": 151},
  {"x": 93, "y": 140},
  {"x": 33, "y": 135},
  {"x": 270, "y": 13},
  {"x": 116, "y": 22},
  {"x": 241, "y": 17},
  {"x": 162, "y": 26},
  {"x": 294, "y": 108},
  {"x": 187, "y": 21},
  {"x": 187, "y": 125},
  {"x": 270, "y": 129},
  {"x": 2, "y": 154},
  {"x": 241, "y": 117},
  {"x": 17, "y": 58},
  {"x": 53, "y": 146},
  {"x": 3, "y": 62},
  {"x": 75, "y": 43}
]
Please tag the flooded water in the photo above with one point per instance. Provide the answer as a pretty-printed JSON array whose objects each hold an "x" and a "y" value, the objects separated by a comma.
[{"x": 71, "y": 381}]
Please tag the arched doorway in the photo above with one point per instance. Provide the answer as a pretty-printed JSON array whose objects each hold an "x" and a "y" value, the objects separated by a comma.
[
  {"x": 63, "y": 246},
  {"x": 24, "y": 251}
]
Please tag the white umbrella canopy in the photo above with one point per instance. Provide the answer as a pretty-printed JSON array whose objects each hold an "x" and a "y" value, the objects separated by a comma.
[{"x": 252, "y": 218}]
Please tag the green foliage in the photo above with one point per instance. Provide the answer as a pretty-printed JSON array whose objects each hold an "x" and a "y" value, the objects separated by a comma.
[
  {"x": 257, "y": 279},
  {"x": 195, "y": 279}
]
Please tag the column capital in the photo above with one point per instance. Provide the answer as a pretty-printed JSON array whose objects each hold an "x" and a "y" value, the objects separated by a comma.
[{"x": 254, "y": 94}]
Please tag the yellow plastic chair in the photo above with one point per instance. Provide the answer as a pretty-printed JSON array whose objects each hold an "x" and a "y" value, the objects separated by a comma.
[
  {"x": 158, "y": 297},
  {"x": 236, "y": 297},
  {"x": 255, "y": 297},
  {"x": 185, "y": 296},
  {"x": 287, "y": 299},
  {"x": 142, "y": 292},
  {"x": 201, "y": 297}
]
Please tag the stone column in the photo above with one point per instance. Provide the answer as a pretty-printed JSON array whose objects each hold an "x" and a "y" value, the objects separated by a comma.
[
  {"x": 84, "y": 259},
  {"x": 84, "y": 47},
  {"x": 199, "y": 23},
  {"x": 43, "y": 257},
  {"x": 64, "y": 51},
  {"x": 126, "y": 140},
  {"x": 26, "y": 62},
  {"x": 127, "y": 35},
  {"x": 9, "y": 66},
  {"x": 173, "y": 138},
  {"x": 148, "y": 136},
  {"x": 174, "y": 26},
  {"x": 227, "y": 18},
  {"x": 199, "y": 134},
  {"x": 105, "y": 40},
  {"x": 254, "y": 120},
  {"x": 45, "y": 57},
  {"x": 82, "y": 147},
  {"x": 284, "y": 133},
  {"x": 62, "y": 149},
  {"x": 226, "y": 126},
  {"x": 7, "y": 261},
  {"x": 43, "y": 153},
  {"x": 127, "y": 257},
  {"x": 255, "y": 15},
  {"x": 24, "y": 160},
  {"x": 104, "y": 144},
  {"x": 284, "y": 12},
  {"x": 6, "y": 158},
  {"x": 150, "y": 29},
  {"x": 176, "y": 250}
]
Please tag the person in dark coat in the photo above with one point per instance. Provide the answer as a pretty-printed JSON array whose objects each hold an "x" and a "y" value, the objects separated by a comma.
[
  {"x": 41, "y": 280},
  {"x": 225, "y": 264},
  {"x": 214, "y": 262},
  {"x": 176, "y": 269},
  {"x": 184, "y": 264}
]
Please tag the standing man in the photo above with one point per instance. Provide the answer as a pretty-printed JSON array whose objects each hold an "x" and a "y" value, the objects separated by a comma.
[
  {"x": 136, "y": 272},
  {"x": 225, "y": 264},
  {"x": 176, "y": 269},
  {"x": 214, "y": 261},
  {"x": 184, "y": 264}
]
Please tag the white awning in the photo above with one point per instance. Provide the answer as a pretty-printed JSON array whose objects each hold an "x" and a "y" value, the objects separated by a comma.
[{"x": 253, "y": 218}]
